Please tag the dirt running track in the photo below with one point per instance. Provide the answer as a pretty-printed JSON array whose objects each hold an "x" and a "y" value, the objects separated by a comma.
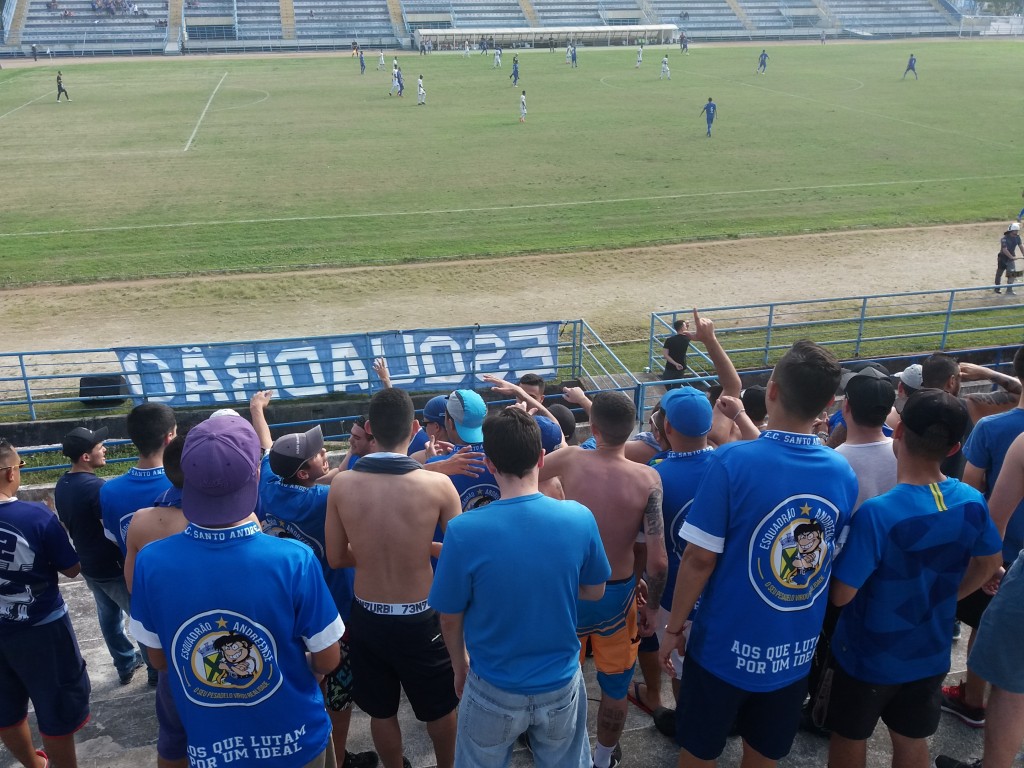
[{"x": 613, "y": 290}]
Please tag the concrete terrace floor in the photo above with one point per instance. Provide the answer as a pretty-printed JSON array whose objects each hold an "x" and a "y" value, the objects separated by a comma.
[{"x": 122, "y": 732}]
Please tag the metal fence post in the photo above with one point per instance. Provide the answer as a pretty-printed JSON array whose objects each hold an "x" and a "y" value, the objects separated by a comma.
[
  {"x": 860, "y": 326},
  {"x": 28, "y": 388},
  {"x": 768, "y": 333},
  {"x": 949, "y": 317}
]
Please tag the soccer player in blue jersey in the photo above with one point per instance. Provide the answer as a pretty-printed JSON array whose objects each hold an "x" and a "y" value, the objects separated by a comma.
[
  {"x": 760, "y": 535},
  {"x": 911, "y": 67},
  {"x": 762, "y": 62},
  {"x": 362, "y": 63},
  {"x": 710, "y": 110},
  {"x": 911, "y": 552}
]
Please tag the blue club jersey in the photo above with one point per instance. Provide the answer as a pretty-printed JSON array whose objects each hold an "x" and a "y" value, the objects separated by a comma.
[
  {"x": 710, "y": 108},
  {"x": 680, "y": 473},
  {"x": 235, "y": 611},
  {"x": 517, "y": 565},
  {"x": 906, "y": 554},
  {"x": 986, "y": 448},
  {"x": 473, "y": 491},
  {"x": 121, "y": 497},
  {"x": 773, "y": 509}
]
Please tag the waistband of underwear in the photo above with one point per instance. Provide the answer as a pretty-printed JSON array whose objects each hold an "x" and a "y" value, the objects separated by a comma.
[
  {"x": 394, "y": 609},
  {"x": 614, "y": 582}
]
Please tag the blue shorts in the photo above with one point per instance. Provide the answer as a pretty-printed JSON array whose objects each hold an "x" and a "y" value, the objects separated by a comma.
[
  {"x": 43, "y": 664},
  {"x": 708, "y": 707},
  {"x": 998, "y": 653}
]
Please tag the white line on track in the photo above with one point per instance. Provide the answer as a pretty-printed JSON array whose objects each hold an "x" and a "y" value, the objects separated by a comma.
[
  {"x": 498, "y": 208},
  {"x": 200, "y": 121},
  {"x": 37, "y": 98},
  {"x": 880, "y": 116}
]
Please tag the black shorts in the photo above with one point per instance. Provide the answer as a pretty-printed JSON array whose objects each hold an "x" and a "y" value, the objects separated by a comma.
[
  {"x": 43, "y": 663},
  {"x": 969, "y": 609},
  {"x": 391, "y": 653},
  {"x": 910, "y": 709},
  {"x": 708, "y": 707}
]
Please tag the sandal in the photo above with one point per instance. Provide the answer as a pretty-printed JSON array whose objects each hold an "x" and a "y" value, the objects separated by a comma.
[{"x": 638, "y": 702}]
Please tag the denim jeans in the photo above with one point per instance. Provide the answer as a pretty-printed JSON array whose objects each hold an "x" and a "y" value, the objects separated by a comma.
[
  {"x": 490, "y": 720},
  {"x": 112, "y": 603}
]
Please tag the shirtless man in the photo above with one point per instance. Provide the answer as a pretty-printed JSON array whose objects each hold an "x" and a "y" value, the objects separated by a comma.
[
  {"x": 625, "y": 498},
  {"x": 381, "y": 517}
]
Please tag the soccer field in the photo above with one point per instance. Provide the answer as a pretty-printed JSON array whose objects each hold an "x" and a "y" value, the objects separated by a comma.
[{"x": 186, "y": 166}]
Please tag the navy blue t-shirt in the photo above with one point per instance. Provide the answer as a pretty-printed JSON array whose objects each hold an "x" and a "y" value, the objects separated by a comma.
[{"x": 77, "y": 498}]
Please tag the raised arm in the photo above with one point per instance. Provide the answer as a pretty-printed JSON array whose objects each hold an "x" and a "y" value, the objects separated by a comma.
[
  {"x": 577, "y": 396},
  {"x": 257, "y": 406}
]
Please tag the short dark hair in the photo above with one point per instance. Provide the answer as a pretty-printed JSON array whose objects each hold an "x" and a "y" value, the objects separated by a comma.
[
  {"x": 1018, "y": 364},
  {"x": 391, "y": 414},
  {"x": 172, "y": 458},
  {"x": 678, "y": 325},
  {"x": 614, "y": 414},
  {"x": 939, "y": 420},
  {"x": 807, "y": 377},
  {"x": 148, "y": 424},
  {"x": 754, "y": 403},
  {"x": 7, "y": 451},
  {"x": 512, "y": 441},
  {"x": 936, "y": 370},
  {"x": 531, "y": 380},
  {"x": 565, "y": 420}
]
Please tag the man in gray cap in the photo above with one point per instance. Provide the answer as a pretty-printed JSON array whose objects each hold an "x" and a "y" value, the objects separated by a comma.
[{"x": 77, "y": 499}]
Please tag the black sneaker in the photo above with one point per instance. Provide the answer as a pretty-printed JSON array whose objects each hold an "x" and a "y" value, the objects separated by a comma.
[
  {"x": 953, "y": 701},
  {"x": 948, "y": 762},
  {"x": 360, "y": 760},
  {"x": 152, "y": 677},
  {"x": 128, "y": 675},
  {"x": 665, "y": 721}
]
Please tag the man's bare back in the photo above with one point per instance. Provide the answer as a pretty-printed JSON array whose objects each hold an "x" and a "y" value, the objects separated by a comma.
[
  {"x": 384, "y": 525},
  {"x": 149, "y": 525},
  {"x": 616, "y": 490}
]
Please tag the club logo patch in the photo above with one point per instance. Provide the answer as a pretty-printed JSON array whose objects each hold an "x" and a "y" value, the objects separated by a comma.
[
  {"x": 224, "y": 659},
  {"x": 791, "y": 552}
]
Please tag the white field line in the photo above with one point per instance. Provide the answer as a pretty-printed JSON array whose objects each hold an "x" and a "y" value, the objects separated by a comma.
[
  {"x": 37, "y": 98},
  {"x": 498, "y": 208},
  {"x": 200, "y": 120},
  {"x": 880, "y": 116}
]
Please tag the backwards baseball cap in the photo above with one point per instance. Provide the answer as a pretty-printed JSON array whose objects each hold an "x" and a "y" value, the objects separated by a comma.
[
  {"x": 467, "y": 410},
  {"x": 290, "y": 452},
  {"x": 550, "y": 433},
  {"x": 911, "y": 376},
  {"x": 220, "y": 461},
  {"x": 688, "y": 410},
  {"x": 1014, "y": 227},
  {"x": 81, "y": 440},
  {"x": 935, "y": 413},
  {"x": 870, "y": 394},
  {"x": 433, "y": 411},
  {"x": 868, "y": 371}
]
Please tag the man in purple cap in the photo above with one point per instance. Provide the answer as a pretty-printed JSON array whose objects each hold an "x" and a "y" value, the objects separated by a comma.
[
  {"x": 77, "y": 499},
  {"x": 232, "y": 613}
]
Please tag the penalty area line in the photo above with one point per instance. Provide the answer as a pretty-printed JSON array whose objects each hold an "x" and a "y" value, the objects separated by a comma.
[
  {"x": 27, "y": 103},
  {"x": 200, "y": 120},
  {"x": 502, "y": 208}
]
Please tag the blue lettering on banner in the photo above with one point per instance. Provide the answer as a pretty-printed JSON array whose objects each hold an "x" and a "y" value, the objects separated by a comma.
[{"x": 429, "y": 359}]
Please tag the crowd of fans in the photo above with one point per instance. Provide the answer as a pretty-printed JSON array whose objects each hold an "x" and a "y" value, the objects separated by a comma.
[{"x": 784, "y": 561}]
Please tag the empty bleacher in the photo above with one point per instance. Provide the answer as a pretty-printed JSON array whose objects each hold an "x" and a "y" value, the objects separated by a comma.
[
  {"x": 875, "y": 17},
  {"x": 210, "y": 19},
  {"x": 360, "y": 20},
  {"x": 568, "y": 13},
  {"x": 258, "y": 19},
  {"x": 76, "y": 24},
  {"x": 476, "y": 14},
  {"x": 703, "y": 18}
]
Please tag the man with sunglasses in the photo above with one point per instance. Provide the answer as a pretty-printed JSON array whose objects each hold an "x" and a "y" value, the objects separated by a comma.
[
  {"x": 294, "y": 482},
  {"x": 39, "y": 656}
]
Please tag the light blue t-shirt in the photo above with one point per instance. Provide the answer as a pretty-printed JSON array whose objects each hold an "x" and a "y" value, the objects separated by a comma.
[
  {"x": 986, "y": 448},
  {"x": 514, "y": 569},
  {"x": 772, "y": 508},
  {"x": 235, "y": 611},
  {"x": 680, "y": 473},
  {"x": 906, "y": 554},
  {"x": 294, "y": 512},
  {"x": 121, "y": 497}
]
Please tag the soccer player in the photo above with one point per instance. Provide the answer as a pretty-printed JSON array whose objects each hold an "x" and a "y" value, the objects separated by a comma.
[
  {"x": 710, "y": 109},
  {"x": 514, "y": 77},
  {"x": 568, "y": 52},
  {"x": 497, "y": 57},
  {"x": 574, "y": 64},
  {"x": 395, "y": 87},
  {"x": 465, "y": 50},
  {"x": 60, "y": 87},
  {"x": 421, "y": 94},
  {"x": 911, "y": 67},
  {"x": 362, "y": 63},
  {"x": 664, "y": 69},
  {"x": 380, "y": 61},
  {"x": 401, "y": 82},
  {"x": 639, "y": 56},
  {"x": 762, "y": 62},
  {"x": 522, "y": 108}
]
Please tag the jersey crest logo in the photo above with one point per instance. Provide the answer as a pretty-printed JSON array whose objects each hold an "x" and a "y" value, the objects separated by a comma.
[
  {"x": 224, "y": 659},
  {"x": 479, "y": 496},
  {"x": 791, "y": 552}
]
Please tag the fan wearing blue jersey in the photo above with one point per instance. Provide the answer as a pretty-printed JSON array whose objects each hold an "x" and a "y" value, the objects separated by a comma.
[
  {"x": 760, "y": 537},
  {"x": 236, "y": 649},
  {"x": 709, "y": 111},
  {"x": 294, "y": 483},
  {"x": 911, "y": 67},
  {"x": 515, "y": 651},
  {"x": 909, "y": 555}
]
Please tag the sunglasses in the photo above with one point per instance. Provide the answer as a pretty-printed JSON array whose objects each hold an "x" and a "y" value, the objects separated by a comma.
[{"x": 19, "y": 465}]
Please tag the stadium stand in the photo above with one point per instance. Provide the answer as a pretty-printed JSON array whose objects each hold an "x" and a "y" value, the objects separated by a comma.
[
  {"x": 257, "y": 19},
  {"x": 703, "y": 18},
  {"x": 139, "y": 24},
  {"x": 568, "y": 13},
  {"x": 874, "y": 17},
  {"x": 359, "y": 20},
  {"x": 475, "y": 14}
]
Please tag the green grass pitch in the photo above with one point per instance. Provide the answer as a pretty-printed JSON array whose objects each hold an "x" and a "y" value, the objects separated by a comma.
[{"x": 301, "y": 161}]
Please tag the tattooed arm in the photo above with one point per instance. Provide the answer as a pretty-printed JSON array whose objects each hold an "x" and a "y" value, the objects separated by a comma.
[{"x": 657, "y": 556}]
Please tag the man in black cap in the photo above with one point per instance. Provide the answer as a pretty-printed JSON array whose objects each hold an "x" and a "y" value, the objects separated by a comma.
[{"x": 77, "y": 498}]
